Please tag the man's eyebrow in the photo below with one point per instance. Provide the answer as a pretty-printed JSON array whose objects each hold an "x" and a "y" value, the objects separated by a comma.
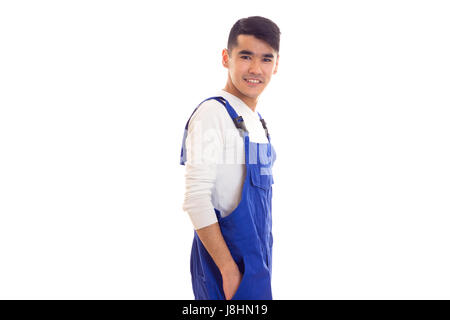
[{"x": 267, "y": 55}]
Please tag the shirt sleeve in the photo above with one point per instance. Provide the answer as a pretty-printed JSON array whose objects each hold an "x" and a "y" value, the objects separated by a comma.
[{"x": 204, "y": 150}]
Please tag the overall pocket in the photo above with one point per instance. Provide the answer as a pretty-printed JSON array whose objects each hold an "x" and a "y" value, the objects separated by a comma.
[
  {"x": 261, "y": 177},
  {"x": 242, "y": 285}
]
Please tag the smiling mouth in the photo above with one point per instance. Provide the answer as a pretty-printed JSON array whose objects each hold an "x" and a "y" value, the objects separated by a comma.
[{"x": 251, "y": 81}]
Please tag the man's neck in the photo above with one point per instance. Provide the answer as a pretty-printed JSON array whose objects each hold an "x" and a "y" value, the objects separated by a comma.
[{"x": 251, "y": 103}]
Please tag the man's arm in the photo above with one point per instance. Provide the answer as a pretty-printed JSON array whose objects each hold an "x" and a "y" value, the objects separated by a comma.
[
  {"x": 212, "y": 239},
  {"x": 204, "y": 144}
]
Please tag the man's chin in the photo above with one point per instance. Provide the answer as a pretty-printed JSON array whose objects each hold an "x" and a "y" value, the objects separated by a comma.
[
  {"x": 253, "y": 94},
  {"x": 247, "y": 91}
]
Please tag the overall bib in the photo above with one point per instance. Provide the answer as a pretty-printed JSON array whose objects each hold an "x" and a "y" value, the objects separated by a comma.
[{"x": 247, "y": 230}]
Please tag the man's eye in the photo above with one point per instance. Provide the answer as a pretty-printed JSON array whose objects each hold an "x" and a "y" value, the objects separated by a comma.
[{"x": 265, "y": 59}]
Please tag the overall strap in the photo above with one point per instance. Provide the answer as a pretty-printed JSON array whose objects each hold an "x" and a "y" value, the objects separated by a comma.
[
  {"x": 240, "y": 125},
  {"x": 264, "y": 126},
  {"x": 238, "y": 122}
]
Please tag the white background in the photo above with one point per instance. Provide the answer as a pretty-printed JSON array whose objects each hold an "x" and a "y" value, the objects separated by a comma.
[{"x": 94, "y": 96}]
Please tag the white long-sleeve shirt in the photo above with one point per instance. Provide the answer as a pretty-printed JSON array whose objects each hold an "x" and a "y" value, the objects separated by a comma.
[{"x": 215, "y": 158}]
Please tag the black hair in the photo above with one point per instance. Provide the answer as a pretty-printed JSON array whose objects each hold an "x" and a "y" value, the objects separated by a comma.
[{"x": 260, "y": 27}]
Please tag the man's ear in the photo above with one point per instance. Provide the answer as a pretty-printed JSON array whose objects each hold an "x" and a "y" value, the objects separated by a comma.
[
  {"x": 225, "y": 58},
  {"x": 276, "y": 64}
]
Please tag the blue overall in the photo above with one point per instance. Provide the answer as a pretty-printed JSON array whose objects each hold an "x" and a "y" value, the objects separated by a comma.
[{"x": 247, "y": 230}]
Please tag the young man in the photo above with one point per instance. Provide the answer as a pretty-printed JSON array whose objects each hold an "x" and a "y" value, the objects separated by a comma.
[{"x": 229, "y": 158}]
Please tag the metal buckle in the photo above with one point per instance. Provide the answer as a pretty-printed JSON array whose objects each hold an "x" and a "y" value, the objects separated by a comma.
[
  {"x": 265, "y": 127},
  {"x": 239, "y": 123}
]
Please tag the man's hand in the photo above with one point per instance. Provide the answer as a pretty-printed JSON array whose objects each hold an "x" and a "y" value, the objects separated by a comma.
[
  {"x": 231, "y": 281},
  {"x": 212, "y": 239}
]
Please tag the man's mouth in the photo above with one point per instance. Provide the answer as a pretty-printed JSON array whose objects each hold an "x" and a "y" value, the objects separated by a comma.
[{"x": 252, "y": 81}]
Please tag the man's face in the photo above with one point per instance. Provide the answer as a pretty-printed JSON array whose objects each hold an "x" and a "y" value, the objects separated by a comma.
[{"x": 250, "y": 59}]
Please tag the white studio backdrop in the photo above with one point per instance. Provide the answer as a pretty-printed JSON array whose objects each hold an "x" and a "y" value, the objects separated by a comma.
[{"x": 94, "y": 96}]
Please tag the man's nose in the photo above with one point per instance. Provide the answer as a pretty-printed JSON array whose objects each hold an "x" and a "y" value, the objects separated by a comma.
[{"x": 255, "y": 67}]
